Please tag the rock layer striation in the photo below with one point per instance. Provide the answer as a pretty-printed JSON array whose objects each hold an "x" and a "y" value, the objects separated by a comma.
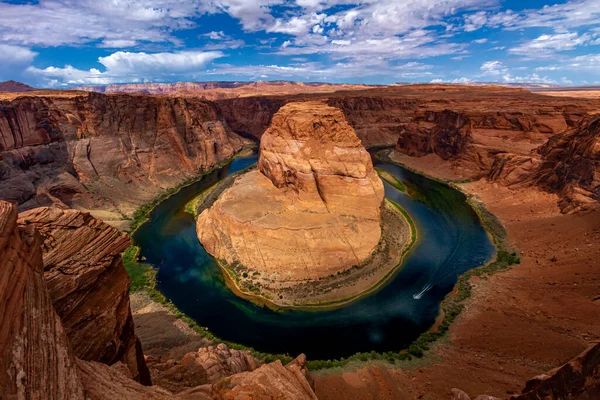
[
  {"x": 310, "y": 210},
  {"x": 109, "y": 154},
  {"x": 89, "y": 286}
]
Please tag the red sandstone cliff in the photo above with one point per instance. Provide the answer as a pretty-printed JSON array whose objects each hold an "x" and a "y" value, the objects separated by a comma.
[
  {"x": 571, "y": 164},
  {"x": 110, "y": 153},
  {"x": 54, "y": 260},
  {"x": 36, "y": 358},
  {"x": 89, "y": 286}
]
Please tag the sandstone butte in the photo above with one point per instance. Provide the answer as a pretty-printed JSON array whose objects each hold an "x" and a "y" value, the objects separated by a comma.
[{"x": 311, "y": 209}]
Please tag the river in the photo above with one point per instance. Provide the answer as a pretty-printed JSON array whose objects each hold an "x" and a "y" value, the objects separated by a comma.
[{"x": 451, "y": 241}]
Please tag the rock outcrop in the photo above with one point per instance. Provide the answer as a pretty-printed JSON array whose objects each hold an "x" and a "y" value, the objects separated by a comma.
[
  {"x": 89, "y": 285},
  {"x": 577, "y": 379},
  {"x": 36, "y": 358},
  {"x": 207, "y": 365},
  {"x": 445, "y": 133},
  {"x": 271, "y": 381},
  {"x": 310, "y": 210},
  {"x": 571, "y": 164},
  {"x": 109, "y": 154}
]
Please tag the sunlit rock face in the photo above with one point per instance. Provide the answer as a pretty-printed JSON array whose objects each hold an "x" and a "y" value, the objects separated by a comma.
[{"x": 311, "y": 209}]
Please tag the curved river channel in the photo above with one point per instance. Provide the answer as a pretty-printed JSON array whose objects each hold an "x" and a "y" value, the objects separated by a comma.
[{"x": 451, "y": 241}]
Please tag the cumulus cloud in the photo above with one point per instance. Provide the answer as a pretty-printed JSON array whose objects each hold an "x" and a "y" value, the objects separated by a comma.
[
  {"x": 496, "y": 71},
  {"x": 129, "y": 67},
  {"x": 586, "y": 63},
  {"x": 462, "y": 80},
  {"x": 15, "y": 55},
  {"x": 14, "y": 59}
]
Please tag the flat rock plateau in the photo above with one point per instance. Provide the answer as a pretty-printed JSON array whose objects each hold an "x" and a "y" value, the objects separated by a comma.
[{"x": 66, "y": 333}]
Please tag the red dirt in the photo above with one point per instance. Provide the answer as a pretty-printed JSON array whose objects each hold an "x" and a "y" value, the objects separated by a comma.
[{"x": 518, "y": 323}]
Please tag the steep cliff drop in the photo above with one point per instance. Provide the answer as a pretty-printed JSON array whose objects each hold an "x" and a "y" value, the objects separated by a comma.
[
  {"x": 36, "y": 358},
  {"x": 89, "y": 286},
  {"x": 571, "y": 165},
  {"x": 106, "y": 154},
  {"x": 312, "y": 210},
  {"x": 42, "y": 349}
]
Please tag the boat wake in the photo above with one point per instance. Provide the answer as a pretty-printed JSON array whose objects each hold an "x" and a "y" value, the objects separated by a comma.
[{"x": 417, "y": 296}]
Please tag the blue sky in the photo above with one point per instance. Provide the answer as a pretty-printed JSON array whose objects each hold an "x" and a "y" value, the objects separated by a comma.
[{"x": 58, "y": 43}]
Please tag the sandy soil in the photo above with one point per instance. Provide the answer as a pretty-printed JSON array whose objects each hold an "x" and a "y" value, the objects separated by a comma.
[{"x": 519, "y": 323}]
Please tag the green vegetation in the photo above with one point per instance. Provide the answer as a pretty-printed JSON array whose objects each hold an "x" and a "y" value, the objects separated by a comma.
[
  {"x": 141, "y": 275},
  {"x": 193, "y": 205},
  {"x": 143, "y": 279},
  {"x": 391, "y": 179}
]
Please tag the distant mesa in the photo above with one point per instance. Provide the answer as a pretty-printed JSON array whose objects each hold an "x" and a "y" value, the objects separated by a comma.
[{"x": 15, "y": 87}]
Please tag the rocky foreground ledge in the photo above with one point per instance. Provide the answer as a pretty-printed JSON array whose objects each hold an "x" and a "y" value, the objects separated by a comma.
[
  {"x": 297, "y": 228},
  {"x": 66, "y": 329}
]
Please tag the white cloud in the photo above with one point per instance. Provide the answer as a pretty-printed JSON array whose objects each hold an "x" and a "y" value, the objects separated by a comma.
[
  {"x": 462, "y": 80},
  {"x": 129, "y": 67},
  {"x": 545, "y": 45},
  {"x": 493, "y": 68},
  {"x": 496, "y": 71},
  {"x": 68, "y": 22},
  {"x": 475, "y": 21},
  {"x": 216, "y": 35},
  {"x": 15, "y": 55},
  {"x": 367, "y": 66},
  {"x": 560, "y": 17},
  {"x": 586, "y": 63},
  {"x": 221, "y": 41},
  {"x": 14, "y": 60},
  {"x": 117, "y": 43},
  {"x": 480, "y": 41}
]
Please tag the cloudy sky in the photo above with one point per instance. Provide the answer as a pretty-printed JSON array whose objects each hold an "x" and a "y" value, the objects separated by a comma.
[{"x": 57, "y": 43}]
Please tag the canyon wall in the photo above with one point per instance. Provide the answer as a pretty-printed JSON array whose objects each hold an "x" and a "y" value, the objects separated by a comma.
[
  {"x": 66, "y": 329},
  {"x": 570, "y": 164},
  {"x": 105, "y": 153},
  {"x": 111, "y": 153},
  {"x": 37, "y": 360},
  {"x": 89, "y": 286}
]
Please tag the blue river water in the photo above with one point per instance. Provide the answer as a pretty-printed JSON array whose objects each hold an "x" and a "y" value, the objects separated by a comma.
[{"x": 451, "y": 241}]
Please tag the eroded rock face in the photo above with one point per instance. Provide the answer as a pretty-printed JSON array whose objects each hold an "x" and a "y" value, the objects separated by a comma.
[
  {"x": 207, "y": 365},
  {"x": 311, "y": 209},
  {"x": 36, "y": 359},
  {"x": 445, "y": 133},
  {"x": 577, "y": 379},
  {"x": 571, "y": 164},
  {"x": 89, "y": 285},
  {"x": 105, "y": 153},
  {"x": 271, "y": 381}
]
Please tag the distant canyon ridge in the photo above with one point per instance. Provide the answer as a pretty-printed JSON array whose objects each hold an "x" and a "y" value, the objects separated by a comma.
[{"x": 111, "y": 153}]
